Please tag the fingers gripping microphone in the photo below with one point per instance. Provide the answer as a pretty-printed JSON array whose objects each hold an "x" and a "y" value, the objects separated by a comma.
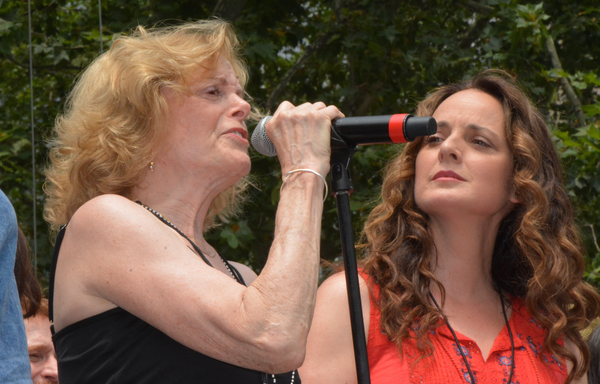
[{"x": 399, "y": 128}]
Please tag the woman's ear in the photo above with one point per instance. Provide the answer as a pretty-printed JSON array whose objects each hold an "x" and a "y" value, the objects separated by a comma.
[{"x": 513, "y": 196}]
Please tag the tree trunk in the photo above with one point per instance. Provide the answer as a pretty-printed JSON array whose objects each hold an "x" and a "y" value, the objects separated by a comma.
[
  {"x": 297, "y": 65},
  {"x": 564, "y": 82}
]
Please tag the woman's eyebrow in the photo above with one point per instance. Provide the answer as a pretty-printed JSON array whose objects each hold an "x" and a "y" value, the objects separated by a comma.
[
  {"x": 479, "y": 128},
  {"x": 472, "y": 126},
  {"x": 218, "y": 79},
  {"x": 222, "y": 80}
]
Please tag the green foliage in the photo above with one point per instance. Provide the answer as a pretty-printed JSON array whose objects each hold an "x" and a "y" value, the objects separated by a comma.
[
  {"x": 372, "y": 57},
  {"x": 580, "y": 153}
]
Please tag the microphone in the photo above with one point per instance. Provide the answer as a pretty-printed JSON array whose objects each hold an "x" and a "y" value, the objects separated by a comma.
[{"x": 364, "y": 130}]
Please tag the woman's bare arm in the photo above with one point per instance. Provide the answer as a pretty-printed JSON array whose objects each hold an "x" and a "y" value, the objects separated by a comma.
[{"x": 115, "y": 253}]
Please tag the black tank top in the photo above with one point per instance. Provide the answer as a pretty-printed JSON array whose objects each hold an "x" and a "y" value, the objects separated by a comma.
[{"x": 116, "y": 347}]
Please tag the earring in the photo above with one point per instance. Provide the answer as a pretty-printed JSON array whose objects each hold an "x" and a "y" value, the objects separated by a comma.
[{"x": 151, "y": 166}]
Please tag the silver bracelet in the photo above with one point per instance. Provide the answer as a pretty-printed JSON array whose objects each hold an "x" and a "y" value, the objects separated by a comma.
[{"x": 290, "y": 173}]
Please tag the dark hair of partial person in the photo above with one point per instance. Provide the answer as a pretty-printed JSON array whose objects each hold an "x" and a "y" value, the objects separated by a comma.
[
  {"x": 30, "y": 292},
  {"x": 537, "y": 254},
  {"x": 114, "y": 121},
  {"x": 594, "y": 346}
]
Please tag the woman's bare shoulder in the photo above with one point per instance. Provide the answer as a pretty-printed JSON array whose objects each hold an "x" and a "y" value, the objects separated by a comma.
[
  {"x": 106, "y": 212},
  {"x": 100, "y": 239},
  {"x": 332, "y": 300},
  {"x": 335, "y": 286}
]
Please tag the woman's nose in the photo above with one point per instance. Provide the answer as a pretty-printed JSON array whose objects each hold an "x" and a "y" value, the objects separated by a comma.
[
  {"x": 241, "y": 108},
  {"x": 450, "y": 150}
]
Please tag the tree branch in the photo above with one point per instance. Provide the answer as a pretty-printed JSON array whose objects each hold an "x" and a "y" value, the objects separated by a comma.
[
  {"x": 297, "y": 65},
  {"x": 476, "y": 7},
  {"x": 229, "y": 9},
  {"x": 594, "y": 236},
  {"x": 48, "y": 68},
  {"x": 480, "y": 23},
  {"x": 368, "y": 98},
  {"x": 486, "y": 10},
  {"x": 564, "y": 82},
  {"x": 473, "y": 33}
]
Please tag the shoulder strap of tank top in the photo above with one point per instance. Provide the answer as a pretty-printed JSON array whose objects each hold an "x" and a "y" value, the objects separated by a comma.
[{"x": 59, "y": 239}]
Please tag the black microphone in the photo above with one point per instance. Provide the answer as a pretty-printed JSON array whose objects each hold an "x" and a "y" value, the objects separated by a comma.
[{"x": 364, "y": 130}]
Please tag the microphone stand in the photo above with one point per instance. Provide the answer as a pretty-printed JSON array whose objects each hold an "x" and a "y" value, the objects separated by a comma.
[{"x": 341, "y": 188}]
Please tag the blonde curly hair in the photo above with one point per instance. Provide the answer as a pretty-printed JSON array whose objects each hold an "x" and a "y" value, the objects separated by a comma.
[{"x": 115, "y": 114}]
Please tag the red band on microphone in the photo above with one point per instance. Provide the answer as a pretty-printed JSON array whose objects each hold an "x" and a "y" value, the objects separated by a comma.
[{"x": 396, "y": 128}]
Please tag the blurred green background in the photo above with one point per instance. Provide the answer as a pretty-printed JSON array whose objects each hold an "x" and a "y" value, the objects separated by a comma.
[{"x": 369, "y": 57}]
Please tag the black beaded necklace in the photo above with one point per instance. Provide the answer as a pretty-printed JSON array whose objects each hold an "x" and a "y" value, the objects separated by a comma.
[
  {"x": 232, "y": 271},
  {"x": 512, "y": 341}
]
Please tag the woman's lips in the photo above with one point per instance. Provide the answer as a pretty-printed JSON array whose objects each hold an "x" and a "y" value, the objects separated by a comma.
[
  {"x": 239, "y": 132},
  {"x": 448, "y": 175}
]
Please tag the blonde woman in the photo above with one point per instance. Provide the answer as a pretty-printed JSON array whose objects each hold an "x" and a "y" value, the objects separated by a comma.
[{"x": 151, "y": 149}]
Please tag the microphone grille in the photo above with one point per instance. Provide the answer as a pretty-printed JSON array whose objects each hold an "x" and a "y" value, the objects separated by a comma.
[{"x": 260, "y": 139}]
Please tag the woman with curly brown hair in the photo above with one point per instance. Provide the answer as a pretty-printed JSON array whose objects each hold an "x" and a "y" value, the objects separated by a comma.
[
  {"x": 473, "y": 264},
  {"x": 152, "y": 148}
]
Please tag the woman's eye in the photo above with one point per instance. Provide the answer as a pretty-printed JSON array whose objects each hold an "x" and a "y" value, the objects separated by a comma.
[
  {"x": 480, "y": 143},
  {"x": 432, "y": 139},
  {"x": 213, "y": 91}
]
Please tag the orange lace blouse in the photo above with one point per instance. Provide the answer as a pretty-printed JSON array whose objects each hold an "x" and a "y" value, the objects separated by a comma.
[{"x": 446, "y": 365}]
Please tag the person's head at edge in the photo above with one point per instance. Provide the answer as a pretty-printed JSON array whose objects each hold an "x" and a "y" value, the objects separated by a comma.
[
  {"x": 90, "y": 153},
  {"x": 594, "y": 345},
  {"x": 44, "y": 368},
  {"x": 537, "y": 252},
  {"x": 30, "y": 292}
]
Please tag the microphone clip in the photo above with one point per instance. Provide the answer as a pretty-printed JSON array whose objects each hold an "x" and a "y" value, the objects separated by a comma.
[{"x": 341, "y": 153}]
